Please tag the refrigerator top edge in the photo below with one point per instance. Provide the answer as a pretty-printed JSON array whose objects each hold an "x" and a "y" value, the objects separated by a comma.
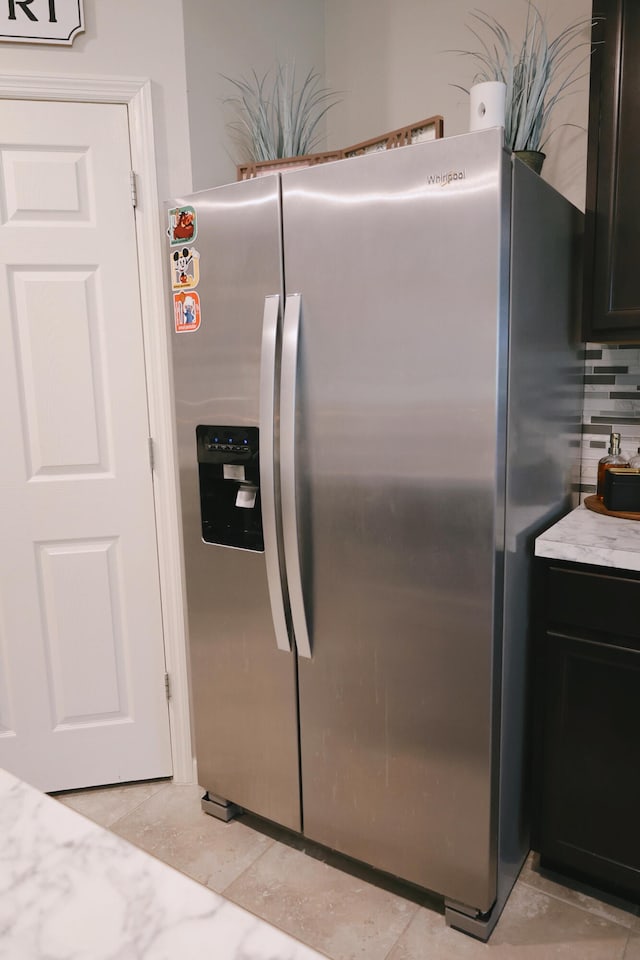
[
  {"x": 269, "y": 183},
  {"x": 445, "y": 150},
  {"x": 491, "y": 139},
  {"x": 445, "y": 159}
]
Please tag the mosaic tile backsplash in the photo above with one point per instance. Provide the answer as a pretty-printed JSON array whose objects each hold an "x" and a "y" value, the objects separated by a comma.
[{"x": 611, "y": 403}]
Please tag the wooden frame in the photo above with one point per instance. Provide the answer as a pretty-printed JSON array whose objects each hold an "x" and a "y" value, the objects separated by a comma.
[
  {"x": 432, "y": 128},
  {"x": 258, "y": 168}
]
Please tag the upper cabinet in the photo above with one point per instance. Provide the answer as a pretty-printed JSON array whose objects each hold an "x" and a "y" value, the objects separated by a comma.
[{"x": 612, "y": 243}]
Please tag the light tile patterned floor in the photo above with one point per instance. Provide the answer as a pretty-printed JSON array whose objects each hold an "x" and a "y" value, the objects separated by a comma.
[{"x": 343, "y": 913}]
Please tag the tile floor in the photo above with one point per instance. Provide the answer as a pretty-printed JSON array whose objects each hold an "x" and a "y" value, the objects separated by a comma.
[{"x": 343, "y": 913}]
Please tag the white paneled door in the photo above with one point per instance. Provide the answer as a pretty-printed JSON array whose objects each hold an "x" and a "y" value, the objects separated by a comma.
[{"x": 82, "y": 696}]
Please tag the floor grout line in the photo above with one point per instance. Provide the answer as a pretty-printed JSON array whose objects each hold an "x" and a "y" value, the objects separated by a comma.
[
  {"x": 161, "y": 789},
  {"x": 223, "y": 892},
  {"x": 572, "y": 903},
  {"x": 406, "y": 927},
  {"x": 62, "y": 796},
  {"x": 250, "y": 867}
]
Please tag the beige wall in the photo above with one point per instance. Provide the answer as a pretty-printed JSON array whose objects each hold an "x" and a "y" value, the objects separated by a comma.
[
  {"x": 390, "y": 59},
  {"x": 124, "y": 39},
  {"x": 232, "y": 38}
]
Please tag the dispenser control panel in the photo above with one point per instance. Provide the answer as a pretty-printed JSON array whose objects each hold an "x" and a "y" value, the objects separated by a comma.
[
  {"x": 216, "y": 443},
  {"x": 229, "y": 478}
]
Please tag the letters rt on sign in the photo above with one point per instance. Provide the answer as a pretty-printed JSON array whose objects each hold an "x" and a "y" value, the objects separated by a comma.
[{"x": 41, "y": 21}]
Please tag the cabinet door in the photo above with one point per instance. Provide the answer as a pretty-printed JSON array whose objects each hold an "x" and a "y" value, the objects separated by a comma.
[
  {"x": 612, "y": 278},
  {"x": 590, "y": 783}
]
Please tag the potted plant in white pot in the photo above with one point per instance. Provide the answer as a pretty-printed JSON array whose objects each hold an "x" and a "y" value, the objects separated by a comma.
[{"x": 537, "y": 75}]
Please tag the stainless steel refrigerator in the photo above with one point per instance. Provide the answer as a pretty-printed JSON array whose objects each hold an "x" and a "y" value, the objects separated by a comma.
[{"x": 377, "y": 398}]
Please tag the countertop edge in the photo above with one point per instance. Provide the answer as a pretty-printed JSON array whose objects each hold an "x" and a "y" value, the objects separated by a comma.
[{"x": 583, "y": 536}]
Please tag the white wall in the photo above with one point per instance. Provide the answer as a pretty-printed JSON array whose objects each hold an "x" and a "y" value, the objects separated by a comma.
[
  {"x": 390, "y": 59},
  {"x": 232, "y": 38},
  {"x": 139, "y": 39}
]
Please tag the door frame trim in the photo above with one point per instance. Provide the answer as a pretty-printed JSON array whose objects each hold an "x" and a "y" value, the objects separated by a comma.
[{"x": 135, "y": 93}]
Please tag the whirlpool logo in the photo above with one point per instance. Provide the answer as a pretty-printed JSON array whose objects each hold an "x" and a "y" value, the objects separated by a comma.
[{"x": 444, "y": 179}]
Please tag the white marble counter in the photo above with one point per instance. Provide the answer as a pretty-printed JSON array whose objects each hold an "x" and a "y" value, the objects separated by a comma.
[
  {"x": 587, "y": 537},
  {"x": 70, "y": 890}
]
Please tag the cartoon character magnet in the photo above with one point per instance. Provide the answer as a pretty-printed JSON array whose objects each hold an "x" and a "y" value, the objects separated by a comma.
[
  {"x": 183, "y": 225},
  {"x": 186, "y": 311},
  {"x": 185, "y": 268}
]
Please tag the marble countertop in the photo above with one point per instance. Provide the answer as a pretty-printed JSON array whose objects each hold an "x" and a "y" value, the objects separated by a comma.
[
  {"x": 587, "y": 537},
  {"x": 70, "y": 890}
]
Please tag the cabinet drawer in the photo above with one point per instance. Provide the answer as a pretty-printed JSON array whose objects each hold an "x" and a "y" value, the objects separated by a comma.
[{"x": 608, "y": 604}]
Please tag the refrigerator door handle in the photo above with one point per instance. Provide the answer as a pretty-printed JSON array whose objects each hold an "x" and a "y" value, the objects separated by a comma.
[
  {"x": 288, "y": 391},
  {"x": 267, "y": 469}
]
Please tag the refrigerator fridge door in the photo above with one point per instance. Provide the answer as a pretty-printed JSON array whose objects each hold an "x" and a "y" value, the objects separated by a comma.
[
  {"x": 243, "y": 677},
  {"x": 401, "y": 263},
  {"x": 290, "y": 514}
]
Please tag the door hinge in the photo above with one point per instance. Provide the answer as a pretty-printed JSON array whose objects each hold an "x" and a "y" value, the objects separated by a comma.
[
  {"x": 152, "y": 456},
  {"x": 167, "y": 686},
  {"x": 134, "y": 188}
]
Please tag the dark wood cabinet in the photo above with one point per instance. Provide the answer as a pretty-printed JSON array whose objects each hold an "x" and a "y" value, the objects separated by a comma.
[
  {"x": 587, "y": 728},
  {"x": 612, "y": 242}
]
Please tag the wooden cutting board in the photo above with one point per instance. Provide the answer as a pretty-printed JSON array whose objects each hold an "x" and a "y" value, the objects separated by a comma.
[{"x": 592, "y": 503}]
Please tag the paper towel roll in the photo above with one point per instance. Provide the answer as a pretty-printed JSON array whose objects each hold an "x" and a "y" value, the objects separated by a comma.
[{"x": 486, "y": 104}]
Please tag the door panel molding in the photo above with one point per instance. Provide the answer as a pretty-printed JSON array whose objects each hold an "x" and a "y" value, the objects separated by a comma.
[{"x": 136, "y": 94}]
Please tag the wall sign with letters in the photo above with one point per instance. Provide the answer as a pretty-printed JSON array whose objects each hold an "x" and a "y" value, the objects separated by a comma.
[{"x": 41, "y": 21}]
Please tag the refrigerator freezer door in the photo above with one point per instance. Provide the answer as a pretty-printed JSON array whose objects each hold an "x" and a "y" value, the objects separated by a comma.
[
  {"x": 400, "y": 261},
  {"x": 244, "y": 687}
]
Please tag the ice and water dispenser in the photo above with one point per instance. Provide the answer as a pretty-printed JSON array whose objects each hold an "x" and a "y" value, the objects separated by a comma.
[{"x": 229, "y": 474}]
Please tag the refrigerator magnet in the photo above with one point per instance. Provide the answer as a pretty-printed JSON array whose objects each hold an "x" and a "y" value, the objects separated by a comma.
[
  {"x": 186, "y": 311},
  {"x": 183, "y": 225},
  {"x": 185, "y": 268}
]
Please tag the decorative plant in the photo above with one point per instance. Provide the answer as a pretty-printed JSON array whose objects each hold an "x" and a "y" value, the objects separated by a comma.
[
  {"x": 533, "y": 74},
  {"x": 277, "y": 119}
]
